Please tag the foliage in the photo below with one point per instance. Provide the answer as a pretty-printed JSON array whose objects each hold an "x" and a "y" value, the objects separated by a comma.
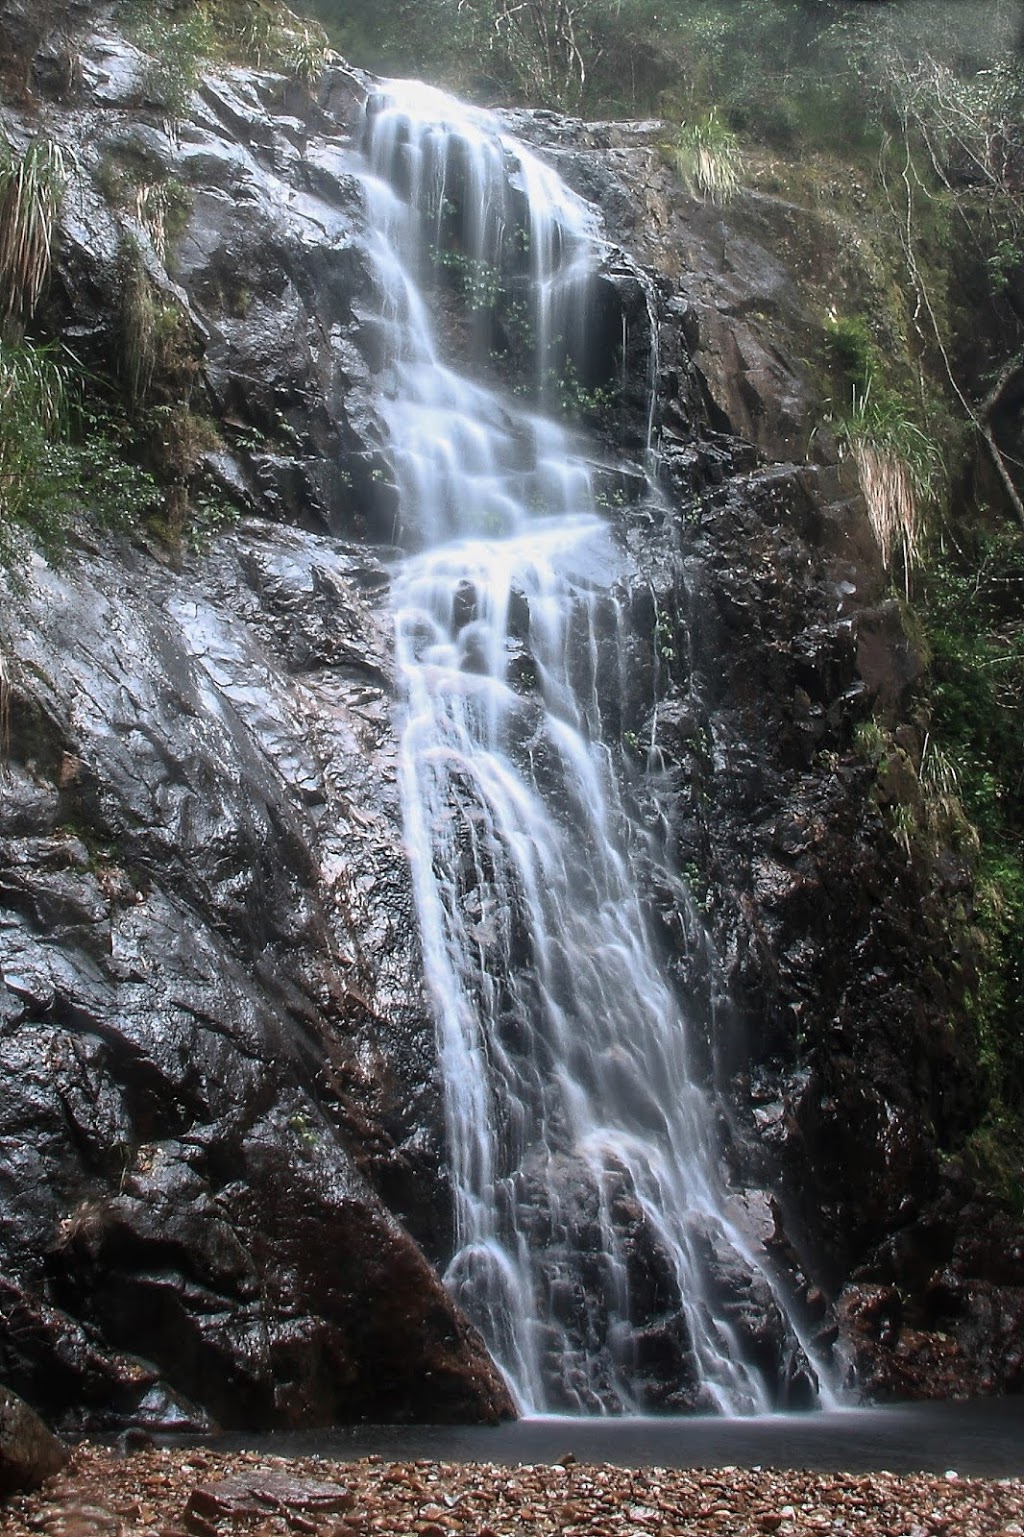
[
  {"x": 32, "y": 187},
  {"x": 852, "y": 351},
  {"x": 199, "y": 32},
  {"x": 567, "y": 393},
  {"x": 707, "y": 156},
  {"x": 61, "y": 460},
  {"x": 137, "y": 323},
  {"x": 33, "y": 408},
  {"x": 176, "y": 44},
  {"x": 148, "y": 200},
  {"x": 305, "y": 52},
  {"x": 775, "y": 69},
  {"x": 974, "y": 612},
  {"x": 540, "y": 44},
  {"x": 482, "y": 286}
]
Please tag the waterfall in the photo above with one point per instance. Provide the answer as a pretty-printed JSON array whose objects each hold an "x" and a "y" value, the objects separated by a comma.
[{"x": 596, "y": 1248}]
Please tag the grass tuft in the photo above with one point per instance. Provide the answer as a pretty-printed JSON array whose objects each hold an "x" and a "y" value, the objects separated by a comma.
[
  {"x": 898, "y": 467},
  {"x": 32, "y": 187},
  {"x": 707, "y": 156}
]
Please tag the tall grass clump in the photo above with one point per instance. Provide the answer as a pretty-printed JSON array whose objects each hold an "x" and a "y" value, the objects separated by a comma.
[
  {"x": 706, "y": 154},
  {"x": 306, "y": 53},
  {"x": 898, "y": 466},
  {"x": 32, "y": 187},
  {"x": 137, "y": 350}
]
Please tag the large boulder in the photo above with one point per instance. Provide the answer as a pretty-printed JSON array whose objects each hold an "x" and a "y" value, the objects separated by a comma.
[{"x": 29, "y": 1452}]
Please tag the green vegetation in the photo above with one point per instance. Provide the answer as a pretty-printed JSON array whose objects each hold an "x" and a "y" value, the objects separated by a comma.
[
  {"x": 780, "y": 71},
  {"x": 898, "y": 467},
  {"x": 707, "y": 156},
  {"x": 32, "y": 188},
  {"x": 61, "y": 458},
  {"x": 76, "y": 448},
  {"x": 974, "y": 608},
  {"x": 58, "y": 454},
  {"x": 189, "y": 37},
  {"x": 33, "y": 390}
]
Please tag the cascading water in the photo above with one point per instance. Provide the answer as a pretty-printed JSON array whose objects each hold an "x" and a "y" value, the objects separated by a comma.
[{"x": 594, "y": 1250}]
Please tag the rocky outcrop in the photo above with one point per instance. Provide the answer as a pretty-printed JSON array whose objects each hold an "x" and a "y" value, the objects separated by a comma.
[{"x": 223, "y": 1178}]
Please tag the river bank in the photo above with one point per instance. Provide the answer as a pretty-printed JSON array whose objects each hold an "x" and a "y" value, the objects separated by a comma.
[{"x": 170, "y": 1492}]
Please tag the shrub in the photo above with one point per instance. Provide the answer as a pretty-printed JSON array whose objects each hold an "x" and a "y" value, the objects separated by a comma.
[
  {"x": 61, "y": 460},
  {"x": 176, "y": 49},
  {"x": 33, "y": 412}
]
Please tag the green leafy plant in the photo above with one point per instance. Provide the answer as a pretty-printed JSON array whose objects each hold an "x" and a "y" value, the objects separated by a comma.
[
  {"x": 564, "y": 388},
  {"x": 480, "y": 283},
  {"x": 33, "y": 412},
  {"x": 61, "y": 460},
  {"x": 306, "y": 53},
  {"x": 852, "y": 352},
  {"x": 176, "y": 49}
]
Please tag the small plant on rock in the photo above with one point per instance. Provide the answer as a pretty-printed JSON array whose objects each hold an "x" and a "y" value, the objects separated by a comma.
[
  {"x": 707, "y": 156},
  {"x": 898, "y": 467},
  {"x": 306, "y": 53},
  {"x": 33, "y": 411}
]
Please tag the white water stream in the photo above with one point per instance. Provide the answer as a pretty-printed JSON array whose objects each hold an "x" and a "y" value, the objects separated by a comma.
[{"x": 580, "y": 1140}]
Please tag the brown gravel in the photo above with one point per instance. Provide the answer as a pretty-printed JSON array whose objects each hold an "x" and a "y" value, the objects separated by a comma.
[{"x": 163, "y": 1493}]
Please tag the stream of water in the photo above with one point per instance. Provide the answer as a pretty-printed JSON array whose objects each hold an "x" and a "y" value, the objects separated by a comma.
[{"x": 593, "y": 1224}]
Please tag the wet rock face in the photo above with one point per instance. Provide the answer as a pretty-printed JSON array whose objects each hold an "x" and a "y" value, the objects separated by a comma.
[
  {"x": 224, "y": 1149},
  {"x": 214, "y": 1046}
]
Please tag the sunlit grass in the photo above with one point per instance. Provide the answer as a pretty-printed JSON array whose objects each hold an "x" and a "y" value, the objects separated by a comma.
[{"x": 897, "y": 465}]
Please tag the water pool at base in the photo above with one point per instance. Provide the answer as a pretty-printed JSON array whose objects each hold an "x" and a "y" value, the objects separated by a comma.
[{"x": 983, "y": 1438}]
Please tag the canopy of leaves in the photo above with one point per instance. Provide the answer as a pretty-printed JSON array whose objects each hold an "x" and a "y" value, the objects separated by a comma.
[{"x": 769, "y": 62}]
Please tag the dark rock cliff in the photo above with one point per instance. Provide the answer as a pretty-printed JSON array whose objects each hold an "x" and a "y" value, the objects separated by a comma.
[
  {"x": 847, "y": 1053},
  {"x": 223, "y": 1177},
  {"x": 221, "y": 1130}
]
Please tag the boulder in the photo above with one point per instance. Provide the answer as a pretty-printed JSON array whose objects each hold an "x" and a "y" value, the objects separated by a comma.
[{"x": 29, "y": 1452}]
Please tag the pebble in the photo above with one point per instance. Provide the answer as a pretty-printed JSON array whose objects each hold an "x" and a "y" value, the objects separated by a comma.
[{"x": 171, "y": 1493}]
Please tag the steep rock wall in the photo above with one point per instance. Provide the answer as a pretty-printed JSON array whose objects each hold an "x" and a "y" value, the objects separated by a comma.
[{"x": 224, "y": 1153}]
